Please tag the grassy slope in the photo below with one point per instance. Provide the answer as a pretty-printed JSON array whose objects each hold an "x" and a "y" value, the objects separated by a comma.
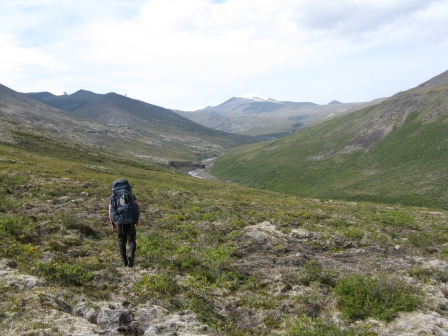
[
  {"x": 408, "y": 166},
  {"x": 53, "y": 224}
]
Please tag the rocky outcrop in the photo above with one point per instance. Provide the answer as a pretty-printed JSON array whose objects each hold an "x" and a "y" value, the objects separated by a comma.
[
  {"x": 86, "y": 318},
  {"x": 141, "y": 320}
]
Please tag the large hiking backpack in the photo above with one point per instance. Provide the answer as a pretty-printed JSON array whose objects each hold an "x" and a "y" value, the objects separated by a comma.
[{"x": 124, "y": 209}]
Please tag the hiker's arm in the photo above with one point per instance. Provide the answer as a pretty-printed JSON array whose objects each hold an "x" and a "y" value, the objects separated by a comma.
[
  {"x": 110, "y": 219},
  {"x": 138, "y": 206}
]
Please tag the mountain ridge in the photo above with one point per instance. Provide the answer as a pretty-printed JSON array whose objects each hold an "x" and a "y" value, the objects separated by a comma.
[
  {"x": 118, "y": 123},
  {"x": 391, "y": 152},
  {"x": 266, "y": 117}
]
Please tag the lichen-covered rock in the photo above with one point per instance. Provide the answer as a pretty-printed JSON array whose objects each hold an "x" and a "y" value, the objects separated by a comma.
[
  {"x": 183, "y": 323},
  {"x": 112, "y": 317},
  {"x": 418, "y": 323},
  {"x": 12, "y": 278},
  {"x": 87, "y": 311},
  {"x": 145, "y": 316}
]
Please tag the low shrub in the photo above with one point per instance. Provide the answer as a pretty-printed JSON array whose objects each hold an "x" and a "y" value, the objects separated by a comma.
[
  {"x": 315, "y": 273},
  {"x": 24, "y": 254},
  {"x": 306, "y": 326},
  {"x": 428, "y": 274},
  {"x": 419, "y": 240},
  {"x": 70, "y": 222},
  {"x": 63, "y": 273},
  {"x": 157, "y": 285},
  {"x": 362, "y": 296},
  {"x": 20, "y": 229}
]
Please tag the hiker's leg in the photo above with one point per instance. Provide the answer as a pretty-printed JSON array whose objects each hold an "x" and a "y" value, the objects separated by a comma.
[
  {"x": 122, "y": 245},
  {"x": 132, "y": 245}
]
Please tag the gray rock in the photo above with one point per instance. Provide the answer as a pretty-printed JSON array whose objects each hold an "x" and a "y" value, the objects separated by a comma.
[
  {"x": 13, "y": 279},
  {"x": 87, "y": 311},
  {"x": 182, "y": 323},
  {"x": 55, "y": 303},
  {"x": 112, "y": 318},
  {"x": 146, "y": 315},
  {"x": 418, "y": 323}
]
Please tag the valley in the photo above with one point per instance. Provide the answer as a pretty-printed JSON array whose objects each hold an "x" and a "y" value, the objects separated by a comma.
[
  {"x": 336, "y": 229},
  {"x": 213, "y": 258}
]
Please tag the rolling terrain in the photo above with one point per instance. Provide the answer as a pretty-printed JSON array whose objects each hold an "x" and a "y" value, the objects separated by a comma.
[
  {"x": 392, "y": 152},
  {"x": 119, "y": 124},
  {"x": 219, "y": 258},
  {"x": 267, "y": 118},
  {"x": 213, "y": 258}
]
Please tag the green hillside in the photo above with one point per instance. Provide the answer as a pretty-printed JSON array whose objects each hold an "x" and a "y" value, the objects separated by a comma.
[
  {"x": 393, "y": 152},
  {"x": 213, "y": 258}
]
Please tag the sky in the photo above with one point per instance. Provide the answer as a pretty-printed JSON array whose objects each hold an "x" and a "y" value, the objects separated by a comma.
[{"x": 188, "y": 54}]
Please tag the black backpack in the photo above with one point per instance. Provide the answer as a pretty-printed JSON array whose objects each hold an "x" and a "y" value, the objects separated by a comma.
[{"x": 123, "y": 209}]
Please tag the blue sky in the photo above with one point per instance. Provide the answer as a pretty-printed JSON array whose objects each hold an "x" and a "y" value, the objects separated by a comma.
[{"x": 187, "y": 54}]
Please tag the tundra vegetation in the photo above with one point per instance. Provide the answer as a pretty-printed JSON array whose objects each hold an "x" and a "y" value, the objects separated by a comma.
[
  {"x": 392, "y": 152},
  {"x": 246, "y": 261}
]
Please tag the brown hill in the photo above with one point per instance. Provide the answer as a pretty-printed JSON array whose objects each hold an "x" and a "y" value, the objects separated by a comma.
[{"x": 119, "y": 124}]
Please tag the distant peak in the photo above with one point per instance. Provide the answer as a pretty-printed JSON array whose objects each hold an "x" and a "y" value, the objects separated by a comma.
[
  {"x": 83, "y": 92},
  {"x": 254, "y": 97},
  {"x": 334, "y": 102}
]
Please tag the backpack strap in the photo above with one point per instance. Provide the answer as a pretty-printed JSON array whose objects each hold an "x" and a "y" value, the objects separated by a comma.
[{"x": 113, "y": 205}]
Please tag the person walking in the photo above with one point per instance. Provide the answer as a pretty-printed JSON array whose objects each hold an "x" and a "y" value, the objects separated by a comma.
[{"x": 124, "y": 214}]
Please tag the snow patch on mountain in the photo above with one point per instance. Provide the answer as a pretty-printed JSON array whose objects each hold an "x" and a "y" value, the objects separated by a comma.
[{"x": 255, "y": 97}]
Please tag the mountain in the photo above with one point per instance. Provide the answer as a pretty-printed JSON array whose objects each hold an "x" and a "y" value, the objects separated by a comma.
[
  {"x": 392, "y": 152},
  {"x": 266, "y": 117},
  {"x": 66, "y": 102},
  {"x": 213, "y": 258},
  {"x": 251, "y": 104},
  {"x": 119, "y": 124},
  {"x": 118, "y": 110}
]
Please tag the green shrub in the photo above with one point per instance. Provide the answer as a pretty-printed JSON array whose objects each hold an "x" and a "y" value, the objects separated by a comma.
[
  {"x": 184, "y": 258},
  {"x": 362, "y": 296},
  {"x": 215, "y": 262},
  {"x": 205, "y": 311},
  {"x": 428, "y": 274},
  {"x": 315, "y": 273},
  {"x": 306, "y": 326},
  {"x": 71, "y": 222},
  {"x": 157, "y": 285},
  {"x": 21, "y": 253},
  {"x": 444, "y": 252},
  {"x": 63, "y": 273},
  {"x": 259, "y": 301},
  {"x": 354, "y": 233},
  {"x": 57, "y": 245},
  {"x": 155, "y": 250},
  {"x": 419, "y": 240},
  {"x": 20, "y": 229}
]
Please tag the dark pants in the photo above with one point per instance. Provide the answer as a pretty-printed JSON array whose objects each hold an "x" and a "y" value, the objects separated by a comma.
[{"x": 126, "y": 234}]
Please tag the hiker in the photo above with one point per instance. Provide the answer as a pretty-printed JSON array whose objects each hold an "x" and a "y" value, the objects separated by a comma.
[{"x": 124, "y": 213}]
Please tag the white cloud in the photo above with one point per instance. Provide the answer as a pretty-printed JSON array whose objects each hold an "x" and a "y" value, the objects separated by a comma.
[
  {"x": 18, "y": 63},
  {"x": 179, "y": 53}
]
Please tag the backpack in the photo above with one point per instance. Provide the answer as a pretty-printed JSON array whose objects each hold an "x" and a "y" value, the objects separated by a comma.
[{"x": 124, "y": 209}]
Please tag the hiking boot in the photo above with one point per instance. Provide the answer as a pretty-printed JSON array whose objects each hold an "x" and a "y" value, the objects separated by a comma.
[{"x": 130, "y": 261}]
